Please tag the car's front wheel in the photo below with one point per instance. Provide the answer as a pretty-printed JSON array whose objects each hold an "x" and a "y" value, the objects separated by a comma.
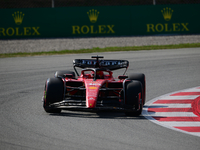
[
  {"x": 133, "y": 96},
  {"x": 53, "y": 92},
  {"x": 140, "y": 77}
]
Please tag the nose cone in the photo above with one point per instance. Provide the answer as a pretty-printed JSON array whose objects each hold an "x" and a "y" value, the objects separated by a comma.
[
  {"x": 92, "y": 92},
  {"x": 91, "y": 103}
]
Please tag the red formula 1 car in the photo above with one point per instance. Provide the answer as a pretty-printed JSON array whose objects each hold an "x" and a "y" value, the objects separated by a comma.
[{"x": 95, "y": 88}]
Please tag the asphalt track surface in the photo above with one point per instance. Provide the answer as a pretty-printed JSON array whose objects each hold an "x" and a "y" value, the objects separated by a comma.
[{"x": 24, "y": 125}]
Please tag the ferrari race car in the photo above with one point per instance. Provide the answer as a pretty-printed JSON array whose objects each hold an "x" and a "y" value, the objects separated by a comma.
[{"x": 95, "y": 88}]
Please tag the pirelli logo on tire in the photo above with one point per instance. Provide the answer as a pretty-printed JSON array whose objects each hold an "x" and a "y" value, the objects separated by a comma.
[
  {"x": 19, "y": 29},
  {"x": 94, "y": 28}
]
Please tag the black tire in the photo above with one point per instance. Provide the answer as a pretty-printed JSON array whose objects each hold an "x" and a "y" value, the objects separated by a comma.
[
  {"x": 132, "y": 91},
  {"x": 61, "y": 73},
  {"x": 140, "y": 77},
  {"x": 53, "y": 92}
]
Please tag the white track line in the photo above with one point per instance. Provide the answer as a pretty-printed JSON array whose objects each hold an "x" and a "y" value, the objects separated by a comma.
[
  {"x": 178, "y": 97},
  {"x": 181, "y": 124},
  {"x": 172, "y": 114},
  {"x": 191, "y": 90},
  {"x": 157, "y": 105}
]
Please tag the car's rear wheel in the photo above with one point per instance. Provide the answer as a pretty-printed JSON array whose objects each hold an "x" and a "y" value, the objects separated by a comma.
[
  {"x": 133, "y": 96},
  {"x": 53, "y": 93},
  {"x": 140, "y": 77}
]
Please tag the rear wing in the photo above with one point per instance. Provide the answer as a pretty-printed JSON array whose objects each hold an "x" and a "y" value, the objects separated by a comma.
[{"x": 108, "y": 64}]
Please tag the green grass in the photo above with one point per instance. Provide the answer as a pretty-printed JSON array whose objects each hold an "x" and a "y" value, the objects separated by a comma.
[{"x": 107, "y": 49}]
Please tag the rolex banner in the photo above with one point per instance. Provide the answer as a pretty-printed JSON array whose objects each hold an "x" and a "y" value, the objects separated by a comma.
[
  {"x": 99, "y": 21},
  {"x": 166, "y": 19}
]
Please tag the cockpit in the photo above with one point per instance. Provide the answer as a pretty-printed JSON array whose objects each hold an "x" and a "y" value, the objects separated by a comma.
[{"x": 96, "y": 73}]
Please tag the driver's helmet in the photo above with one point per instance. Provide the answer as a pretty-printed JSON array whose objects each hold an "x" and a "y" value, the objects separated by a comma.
[{"x": 99, "y": 75}]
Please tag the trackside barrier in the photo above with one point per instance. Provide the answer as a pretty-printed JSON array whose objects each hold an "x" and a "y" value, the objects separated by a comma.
[{"x": 99, "y": 21}]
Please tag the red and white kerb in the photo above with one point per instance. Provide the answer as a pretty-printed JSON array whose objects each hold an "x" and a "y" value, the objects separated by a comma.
[{"x": 179, "y": 111}]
